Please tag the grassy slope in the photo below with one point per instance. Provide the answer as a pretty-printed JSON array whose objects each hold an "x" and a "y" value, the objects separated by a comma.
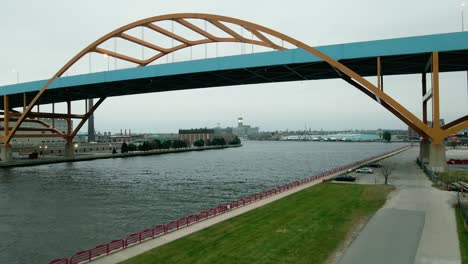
[
  {"x": 453, "y": 176},
  {"x": 462, "y": 236},
  {"x": 305, "y": 227}
]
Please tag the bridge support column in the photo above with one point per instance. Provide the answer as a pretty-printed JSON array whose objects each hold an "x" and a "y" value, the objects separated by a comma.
[
  {"x": 437, "y": 157},
  {"x": 424, "y": 149},
  {"x": 7, "y": 153},
  {"x": 69, "y": 150}
]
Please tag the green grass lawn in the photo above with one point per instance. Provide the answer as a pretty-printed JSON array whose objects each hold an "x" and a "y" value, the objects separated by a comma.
[
  {"x": 453, "y": 176},
  {"x": 305, "y": 227},
  {"x": 462, "y": 236}
]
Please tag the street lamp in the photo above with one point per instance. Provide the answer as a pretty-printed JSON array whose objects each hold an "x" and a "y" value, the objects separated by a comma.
[
  {"x": 107, "y": 56},
  {"x": 17, "y": 74},
  {"x": 462, "y": 7}
]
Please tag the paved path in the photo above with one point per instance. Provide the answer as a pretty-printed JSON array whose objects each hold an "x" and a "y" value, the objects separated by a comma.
[{"x": 416, "y": 225}]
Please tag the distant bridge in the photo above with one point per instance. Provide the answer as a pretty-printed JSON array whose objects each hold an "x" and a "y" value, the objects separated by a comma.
[{"x": 351, "y": 62}]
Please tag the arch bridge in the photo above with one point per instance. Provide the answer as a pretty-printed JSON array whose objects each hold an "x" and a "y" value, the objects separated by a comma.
[{"x": 289, "y": 60}]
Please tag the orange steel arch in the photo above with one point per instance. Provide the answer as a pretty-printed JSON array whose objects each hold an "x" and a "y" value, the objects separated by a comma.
[{"x": 436, "y": 133}]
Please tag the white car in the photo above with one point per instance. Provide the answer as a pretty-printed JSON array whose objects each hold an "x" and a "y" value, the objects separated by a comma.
[{"x": 364, "y": 170}]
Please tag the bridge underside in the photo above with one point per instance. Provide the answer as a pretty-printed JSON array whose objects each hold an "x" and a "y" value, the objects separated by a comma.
[{"x": 390, "y": 65}]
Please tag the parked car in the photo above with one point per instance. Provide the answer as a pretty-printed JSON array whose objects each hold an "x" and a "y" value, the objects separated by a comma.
[
  {"x": 374, "y": 165},
  {"x": 364, "y": 170},
  {"x": 348, "y": 178}
]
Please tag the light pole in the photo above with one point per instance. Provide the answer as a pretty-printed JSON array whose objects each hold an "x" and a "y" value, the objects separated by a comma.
[
  {"x": 89, "y": 60},
  {"x": 107, "y": 56},
  {"x": 142, "y": 47},
  {"x": 17, "y": 74},
  {"x": 115, "y": 51},
  {"x": 462, "y": 7}
]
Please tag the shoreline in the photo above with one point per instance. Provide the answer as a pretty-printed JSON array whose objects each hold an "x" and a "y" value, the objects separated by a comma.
[
  {"x": 138, "y": 243},
  {"x": 88, "y": 157}
]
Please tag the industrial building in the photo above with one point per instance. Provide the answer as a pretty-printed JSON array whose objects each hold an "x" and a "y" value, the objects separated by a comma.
[
  {"x": 244, "y": 130},
  {"x": 59, "y": 124}
]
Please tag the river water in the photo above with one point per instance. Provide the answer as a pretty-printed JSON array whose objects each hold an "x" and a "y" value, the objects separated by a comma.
[{"x": 54, "y": 211}]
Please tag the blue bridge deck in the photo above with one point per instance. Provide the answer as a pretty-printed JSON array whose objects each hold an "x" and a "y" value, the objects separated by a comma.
[{"x": 398, "y": 56}]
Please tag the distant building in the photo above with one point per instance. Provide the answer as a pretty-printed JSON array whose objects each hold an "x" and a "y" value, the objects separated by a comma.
[
  {"x": 206, "y": 134},
  {"x": 59, "y": 124},
  {"x": 441, "y": 122},
  {"x": 192, "y": 135},
  {"x": 413, "y": 135},
  {"x": 244, "y": 130},
  {"x": 123, "y": 138}
]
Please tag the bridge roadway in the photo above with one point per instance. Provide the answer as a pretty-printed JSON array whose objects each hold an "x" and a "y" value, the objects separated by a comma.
[{"x": 408, "y": 55}]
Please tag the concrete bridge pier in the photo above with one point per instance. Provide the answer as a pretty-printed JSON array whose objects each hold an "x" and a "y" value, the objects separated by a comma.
[
  {"x": 69, "y": 150},
  {"x": 437, "y": 157},
  {"x": 424, "y": 149},
  {"x": 7, "y": 153}
]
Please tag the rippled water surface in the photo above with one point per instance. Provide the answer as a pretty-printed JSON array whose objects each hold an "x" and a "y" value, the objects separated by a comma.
[{"x": 53, "y": 211}]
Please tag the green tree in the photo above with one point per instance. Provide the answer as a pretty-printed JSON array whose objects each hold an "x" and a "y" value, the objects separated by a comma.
[
  {"x": 235, "y": 141},
  {"x": 222, "y": 141},
  {"x": 124, "y": 148},
  {"x": 387, "y": 136},
  {"x": 132, "y": 147},
  {"x": 199, "y": 143},
  {"x": 166, "y": 144},
  {"x": 144, "y": 147},
  {"x": 179, "y": 144},
  {"x": 218, "y": 141},
  {"x": 155, "y": 144}
]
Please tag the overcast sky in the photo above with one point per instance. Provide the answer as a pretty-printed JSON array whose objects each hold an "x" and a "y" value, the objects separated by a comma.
[{"x": 38, "y": 37}]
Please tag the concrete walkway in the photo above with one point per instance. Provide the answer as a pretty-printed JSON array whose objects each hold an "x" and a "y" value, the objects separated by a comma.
[
  {"x": 138, "y": 249},
  {"x": 416, "y": 225}
]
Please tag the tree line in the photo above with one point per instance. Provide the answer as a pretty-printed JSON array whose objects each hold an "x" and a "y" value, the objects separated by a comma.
[
  {"x": 174, "y": 144},
  {"x": 218, "y": 141}
]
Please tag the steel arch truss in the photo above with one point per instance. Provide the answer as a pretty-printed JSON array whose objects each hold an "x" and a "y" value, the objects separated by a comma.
[{"x": 261, "y": 36}]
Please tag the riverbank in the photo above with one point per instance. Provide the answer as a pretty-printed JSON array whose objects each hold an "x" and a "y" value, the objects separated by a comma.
[
  {"x": 163, "y": 234},
  {"x": 57, "y": 210},
  {"x": 95, "y": 156},
  {"x": 305, "y": 227}
]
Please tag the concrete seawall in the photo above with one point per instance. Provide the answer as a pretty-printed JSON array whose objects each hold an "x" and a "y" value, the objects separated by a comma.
[{"x": 52, "y": 160}]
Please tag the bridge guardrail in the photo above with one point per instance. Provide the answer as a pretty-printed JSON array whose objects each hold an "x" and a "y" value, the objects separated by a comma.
[{"x": 160, "y": 230}]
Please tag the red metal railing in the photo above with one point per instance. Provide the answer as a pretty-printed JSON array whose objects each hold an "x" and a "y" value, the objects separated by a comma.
[
  {"x": 136, "y": 238},
  {"x": 59, "y": 261},
  {"x": 457, "y": 161}
]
